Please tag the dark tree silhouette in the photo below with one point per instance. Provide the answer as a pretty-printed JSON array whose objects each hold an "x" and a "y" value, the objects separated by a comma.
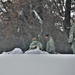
[{"x": 67, "y": 16}]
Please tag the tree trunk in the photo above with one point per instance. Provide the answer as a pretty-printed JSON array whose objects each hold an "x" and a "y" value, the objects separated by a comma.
[{"x": 67, "y": 16}]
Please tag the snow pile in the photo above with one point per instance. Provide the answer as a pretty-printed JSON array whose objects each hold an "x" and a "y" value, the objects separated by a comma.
[
  {"x": 15, "y": 51},
  {"x": 35, "y": 51},
  {"x": 19, "y": 51},
  {"x": 5, "y": 53}
]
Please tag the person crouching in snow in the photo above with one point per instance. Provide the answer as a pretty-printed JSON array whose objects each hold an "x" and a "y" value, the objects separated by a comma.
[{"x": 37, "y": 43}]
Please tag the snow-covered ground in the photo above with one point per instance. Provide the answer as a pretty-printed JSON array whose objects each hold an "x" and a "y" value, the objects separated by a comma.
[{"x": 25, "y": 64}]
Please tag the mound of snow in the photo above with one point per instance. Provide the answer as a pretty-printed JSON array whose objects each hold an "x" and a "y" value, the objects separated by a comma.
[
  {"x": 15, "y": 51},
  {"x": 35, "y": 51}
]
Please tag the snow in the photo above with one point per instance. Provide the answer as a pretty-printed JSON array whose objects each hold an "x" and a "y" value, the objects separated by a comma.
[
  {"x": 63, "y": 8},
  {"x": 20, "y": 12},
  {"x": 37, "y": 16},
  {"x": 58, "y": 4},
  {"x": 72, "y": 13},
  {"x": 18, "y": 30},
  {"x": 63, "y": 18},
  {"x": 60, "y": 11},
  {"x": 52, "y": 12},
  {"x": 5, "y": 53},
  {"x": 46, "y": 6},
  {"x": 4, "y": 9},
  {"x": 35, "y": 51},
  {"x": 37, "y": 64},
  {"x": 61, "y": 28},
  {"x": 72, "y": 6},
  {"x": 64, "y": 2},
  {"x": 15, "y": 51},
  {"x": 56, "y": 13},
  {"x": 1, "y": 13},
  {"x": 4, "y": 0}
]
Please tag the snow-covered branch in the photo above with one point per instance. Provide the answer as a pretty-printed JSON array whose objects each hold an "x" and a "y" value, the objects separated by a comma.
[{"x": 37, "y": 16}]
